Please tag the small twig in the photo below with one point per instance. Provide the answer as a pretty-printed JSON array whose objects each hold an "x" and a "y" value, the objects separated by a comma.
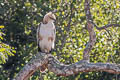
[
  {"x": 108, "y": 32},
  {"x": 104, "y": 27}
]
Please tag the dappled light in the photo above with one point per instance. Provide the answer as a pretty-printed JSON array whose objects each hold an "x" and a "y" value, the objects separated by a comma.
[{"x": 87, "y": 43}]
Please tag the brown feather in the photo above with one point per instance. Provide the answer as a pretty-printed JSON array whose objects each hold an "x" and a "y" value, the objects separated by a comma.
[{"x": 50, "y": 38}]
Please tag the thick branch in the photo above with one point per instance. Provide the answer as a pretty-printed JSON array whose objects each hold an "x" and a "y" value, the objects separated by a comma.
[
  {"x": 56, "y": 67},
  {"x": 81, "y": 66},
  {"x": 92, "y": 36},
  {"x": 40, "y": 61}
]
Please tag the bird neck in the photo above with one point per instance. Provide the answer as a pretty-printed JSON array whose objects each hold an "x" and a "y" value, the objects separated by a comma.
[{"x": 50, "y": 21}]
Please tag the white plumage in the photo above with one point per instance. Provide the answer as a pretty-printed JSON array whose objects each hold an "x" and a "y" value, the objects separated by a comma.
[{"x": 46, "y": 33}]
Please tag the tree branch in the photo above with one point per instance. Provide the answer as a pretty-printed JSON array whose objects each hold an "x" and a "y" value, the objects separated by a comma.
[
  {"x": 81, "y": 66},
  {"x": 106, "y": 26},
  {"x": 92, "y": 36},
  {"x": 60, "y": 69},
  {"x": 40, "y": 61}
]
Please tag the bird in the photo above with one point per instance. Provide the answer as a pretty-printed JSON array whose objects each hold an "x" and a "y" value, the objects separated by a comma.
[{"x": 46, "y": 33}]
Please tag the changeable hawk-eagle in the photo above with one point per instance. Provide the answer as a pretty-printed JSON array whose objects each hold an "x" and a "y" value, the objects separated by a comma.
[{"x": 46, "y": 33}]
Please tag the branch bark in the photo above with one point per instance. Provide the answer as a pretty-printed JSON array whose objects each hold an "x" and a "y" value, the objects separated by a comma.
[
  {"x": 40, "y": 61},
  {"x": 92, "y": 36},
  {"x": 43, "y": 60}
]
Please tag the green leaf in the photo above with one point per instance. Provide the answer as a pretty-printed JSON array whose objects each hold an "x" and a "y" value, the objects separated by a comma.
[
  {"x": 2, "y": 49},
  {"x": 27, "y": 4}
]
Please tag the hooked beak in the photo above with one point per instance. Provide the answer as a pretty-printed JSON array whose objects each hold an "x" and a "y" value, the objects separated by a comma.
[
  {"x": 52, "y": 18},
  {"x": 54, "y": 11}
]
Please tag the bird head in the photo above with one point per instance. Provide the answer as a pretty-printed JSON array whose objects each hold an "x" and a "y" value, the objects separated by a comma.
[{"x": 49, "y": 17}]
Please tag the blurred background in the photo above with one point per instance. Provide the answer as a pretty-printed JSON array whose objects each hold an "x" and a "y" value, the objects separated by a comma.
[{"x": 18, "y": 23}]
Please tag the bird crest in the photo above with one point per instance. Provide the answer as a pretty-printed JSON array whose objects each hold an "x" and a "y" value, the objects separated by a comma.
[{"x": 49, "y": 17}]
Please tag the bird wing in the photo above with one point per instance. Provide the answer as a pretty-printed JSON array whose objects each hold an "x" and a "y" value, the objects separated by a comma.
[
  {"x": 54, "y": 36},
  {"x": 37, "y": 35}
]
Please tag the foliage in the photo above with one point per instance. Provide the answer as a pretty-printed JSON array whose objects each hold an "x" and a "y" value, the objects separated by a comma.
[
  {"x": 5, "y": 49},
  {"x": 21, "y": 18}
]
